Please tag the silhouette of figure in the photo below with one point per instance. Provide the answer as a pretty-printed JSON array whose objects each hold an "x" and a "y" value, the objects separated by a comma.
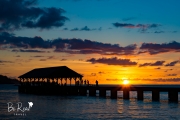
[
  {"x": 84, "y": 82},
  {"x": 81, "y": 82},
  {"x": 96, "y": 83},
  {"x": 87, "y": 82}
]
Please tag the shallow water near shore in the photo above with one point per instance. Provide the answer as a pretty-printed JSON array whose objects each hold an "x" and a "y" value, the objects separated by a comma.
[{"x": 86, "y": 107}]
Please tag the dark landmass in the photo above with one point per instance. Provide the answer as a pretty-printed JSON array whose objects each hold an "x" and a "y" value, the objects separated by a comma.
[{"x": 6, "y": 80}]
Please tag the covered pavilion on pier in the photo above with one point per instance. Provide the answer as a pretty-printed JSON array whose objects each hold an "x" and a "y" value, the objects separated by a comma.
[{"x": 50, "y": 75}]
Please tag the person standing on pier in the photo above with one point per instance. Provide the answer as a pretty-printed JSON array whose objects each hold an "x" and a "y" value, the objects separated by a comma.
[
  {"x": 87, "y": 82},
  {"x": 96, "y": 83},
  {"x": 84, "y": 82}
]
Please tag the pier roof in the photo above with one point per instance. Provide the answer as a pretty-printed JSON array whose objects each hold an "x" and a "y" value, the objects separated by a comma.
[{"x": 52, "y": 72}]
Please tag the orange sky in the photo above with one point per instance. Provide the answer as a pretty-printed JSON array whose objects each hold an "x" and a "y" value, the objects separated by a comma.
[{"x": 20, "y": 63}]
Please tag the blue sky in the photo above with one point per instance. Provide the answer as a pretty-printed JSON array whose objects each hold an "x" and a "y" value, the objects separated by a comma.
[{"x": 100, "y": 14}]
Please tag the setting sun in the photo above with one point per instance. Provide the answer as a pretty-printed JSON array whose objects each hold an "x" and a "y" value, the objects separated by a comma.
[{"x": 125, "y": 82}]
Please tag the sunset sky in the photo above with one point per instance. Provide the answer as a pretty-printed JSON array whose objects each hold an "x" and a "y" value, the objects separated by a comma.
[{"x": 107, "y": 40}]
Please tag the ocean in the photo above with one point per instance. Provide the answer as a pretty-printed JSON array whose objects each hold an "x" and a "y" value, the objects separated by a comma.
[{"x": 31, "y": 107}]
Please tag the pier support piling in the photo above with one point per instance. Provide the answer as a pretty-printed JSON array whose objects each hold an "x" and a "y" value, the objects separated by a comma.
[
  {"x": 92, "y": 92},
  {"x": 140, "y": 95},
  {"x": 102, "y": 93},
  {"x": 125, "y": 94},
  {"x": 155, "y": 95},
  {"x": 173, "y": 96},
  {"x": 113, "y": 93}
]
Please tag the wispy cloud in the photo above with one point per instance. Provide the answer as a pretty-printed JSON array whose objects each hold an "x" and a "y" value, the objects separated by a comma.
[
  {"x": 157, "y": 63},
  {"x": 173, "y": 63},
  {"x": 113, "y": 61},
  {"x": 141, "y": 27}
]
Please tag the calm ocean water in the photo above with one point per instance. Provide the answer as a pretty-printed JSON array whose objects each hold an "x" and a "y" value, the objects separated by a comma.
[{"x": 85, "y": 107}]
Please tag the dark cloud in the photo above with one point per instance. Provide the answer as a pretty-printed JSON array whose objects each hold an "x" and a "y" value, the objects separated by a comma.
[
  {"x": 16, "y": 14},
  {"x": 113, "y": 61},
  {"x": 75, "y": 29},
  {"x": 172, "y": 63},
  {"x": 63, "y": 59},
  {"x": 157, "y": 68},
  {"x": 141, "y": 27},
  {"x": 172, "y": 75},
  {"x": 78, "y": 46},
  {"x": 157, "y": 63},
  {"x": 159, "y": 32},
  {"x": 85, "y": 28},
  {"x": 21, "y": 50},
  {"x": 51, "y": 57},
  {"x": 65, "y": 28},
  {"x": 37, "y": 56},
  {"x": 127, "y": 25},
  {"x": 154, "y": 48},
  {"x": 3, "y": 61},
  {"x": 72, "y": 46}
]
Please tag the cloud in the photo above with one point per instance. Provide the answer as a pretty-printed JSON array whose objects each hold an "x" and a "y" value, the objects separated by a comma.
[
  {"x": 51, "y": 57},
  {"x": 158, "y": 68},
  {"x": 159, "y": 32},
  {"x": 42, "y": 60},
  {"x": 112, "y": 61},
  {"x": 72, "y": 46},
  {"x": 3, "y": 61},
  {"x": 65, "y": 28},
  {"x": 127, "y": 25},
  {"x": 63, "y": 59},
  {"x": 172, "y": 75},
  {"x": 172, "y": 63},
  {"x": 75, "y": 29},
  {"x": 141, "y": 27},
  {"x": 157, "y": 63},
  {"x": 16, "y": 14},
  {"x": 154, "y": 48},
  {"x": 85, "y": 28},
  {"x": 37, "y": 56},
  {"x": 17, "y": 56},
  {"x": 21, "y": 50}
]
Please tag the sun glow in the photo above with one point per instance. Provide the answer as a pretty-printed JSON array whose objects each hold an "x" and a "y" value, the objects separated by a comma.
[{"x": 125, "y": 82}]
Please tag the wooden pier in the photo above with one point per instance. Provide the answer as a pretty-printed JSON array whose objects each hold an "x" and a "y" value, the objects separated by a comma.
[
  {"x": 82, "y": 90},
  {"x": 49, "y": 81}
]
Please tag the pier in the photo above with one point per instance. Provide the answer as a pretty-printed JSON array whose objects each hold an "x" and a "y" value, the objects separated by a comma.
[
  {"x": 49, "y": 81},
  {"x": 91, "y": 90}
]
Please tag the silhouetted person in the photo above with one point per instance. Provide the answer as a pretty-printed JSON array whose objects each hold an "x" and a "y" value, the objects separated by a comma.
[
  {"x": 96, "y": 83},
  {"x": 81, "y": 82},
  {"x": 84, "y": 82},
  {"x": 88, "y": 82}
]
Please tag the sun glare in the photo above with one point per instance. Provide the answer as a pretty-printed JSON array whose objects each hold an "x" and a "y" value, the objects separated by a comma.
[{"x": 125, "y": 82}]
